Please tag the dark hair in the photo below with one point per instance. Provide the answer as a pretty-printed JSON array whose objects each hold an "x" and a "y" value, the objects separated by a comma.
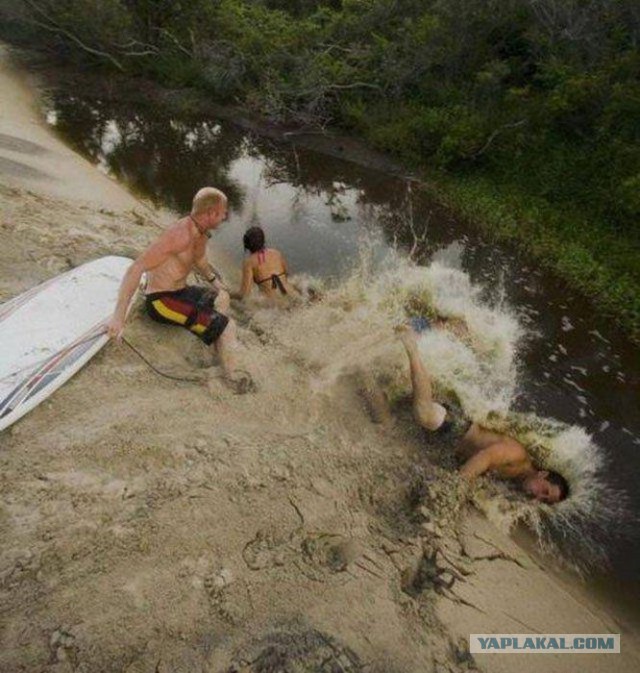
[
  {"x": 557, "y": 479},
  {"x": 253, "y": 239}
]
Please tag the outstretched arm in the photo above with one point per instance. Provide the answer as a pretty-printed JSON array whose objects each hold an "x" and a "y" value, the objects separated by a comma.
[{"x": 492, "y": 458}]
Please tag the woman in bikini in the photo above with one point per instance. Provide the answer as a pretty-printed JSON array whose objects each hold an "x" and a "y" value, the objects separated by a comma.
[{"x": 266, "y": 267}]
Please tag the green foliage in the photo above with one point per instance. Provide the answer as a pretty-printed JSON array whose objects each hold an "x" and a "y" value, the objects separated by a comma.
[
  {"x": 591, "y": 257},
  {"x": 628, "y": 192},
  {"x": 101, "y": 21},
  {"x": 540, "y": 97}
]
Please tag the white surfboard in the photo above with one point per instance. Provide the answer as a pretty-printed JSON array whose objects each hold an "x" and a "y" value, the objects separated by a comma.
[{"x": 49, "y": 332}]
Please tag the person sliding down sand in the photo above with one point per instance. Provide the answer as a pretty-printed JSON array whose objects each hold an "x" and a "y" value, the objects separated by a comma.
[
  {"x": 484, "y": 451},
  {"x": 266, "y": 267},
  {"x": 167, "y": 263}
]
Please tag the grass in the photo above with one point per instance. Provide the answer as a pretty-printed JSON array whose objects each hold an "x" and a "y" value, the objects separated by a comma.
[{"x": 586, "y": 254}]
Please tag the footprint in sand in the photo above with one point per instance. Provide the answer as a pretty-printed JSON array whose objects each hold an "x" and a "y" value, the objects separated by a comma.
[
  {"x": 266, "y": 550},
  {"x": 218, "y": 587},
  {"x": 319, "y": 556},
  {"x": 300, "y": 651}
]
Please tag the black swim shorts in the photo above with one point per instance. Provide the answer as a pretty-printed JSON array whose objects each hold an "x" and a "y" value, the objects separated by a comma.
[
  {"x": 455, "y": 425},
  {"x": 191, "y": 307}
]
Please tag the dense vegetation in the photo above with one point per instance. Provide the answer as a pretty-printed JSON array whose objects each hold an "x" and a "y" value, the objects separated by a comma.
[{"x": 529, "y": 110}]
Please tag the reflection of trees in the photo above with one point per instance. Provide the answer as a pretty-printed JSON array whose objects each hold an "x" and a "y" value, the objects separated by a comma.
[
  {"x": 318, "y": 175},
  {"x": 413, "y": 221},
  {"x": 407, "y": 214},
  {"x": 165, "y": 160}
]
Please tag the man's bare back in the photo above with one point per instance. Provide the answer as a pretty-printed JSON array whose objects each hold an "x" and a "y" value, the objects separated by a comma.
[{"x": 513, "y": 460}]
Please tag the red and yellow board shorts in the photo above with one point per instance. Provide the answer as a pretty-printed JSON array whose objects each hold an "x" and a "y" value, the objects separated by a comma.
[{"x": 191, "y": 307}]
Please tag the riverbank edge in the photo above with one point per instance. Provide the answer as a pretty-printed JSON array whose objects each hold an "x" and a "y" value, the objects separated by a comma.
[
  {"x": 529, "y": 224},
  {"x": 569, "y": 245},
  {"x": 26, "y": 447}
]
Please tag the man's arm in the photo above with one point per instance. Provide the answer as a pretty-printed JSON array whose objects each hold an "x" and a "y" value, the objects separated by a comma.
[
  {"x": 152, "y": 257},
  {"x": 209, "y": 273},
  {"x": 491, "y": 458},
  {"x": 206, "y": 270}
]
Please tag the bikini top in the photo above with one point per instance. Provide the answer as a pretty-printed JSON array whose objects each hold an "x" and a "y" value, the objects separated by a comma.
[{"x": 276, "y": 283}]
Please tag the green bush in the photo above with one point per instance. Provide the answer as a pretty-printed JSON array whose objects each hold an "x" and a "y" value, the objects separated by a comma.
[{"x": 535, "y": 99}]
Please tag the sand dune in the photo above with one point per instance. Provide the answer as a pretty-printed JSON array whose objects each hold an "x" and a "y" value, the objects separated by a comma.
[{"x": 152, "y": 525}]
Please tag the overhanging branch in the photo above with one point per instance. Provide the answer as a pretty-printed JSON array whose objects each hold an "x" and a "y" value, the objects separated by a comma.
[{"x": 53, "y": 26}]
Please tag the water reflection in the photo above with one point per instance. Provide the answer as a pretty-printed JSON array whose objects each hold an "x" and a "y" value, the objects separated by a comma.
[
  {"x": 159, "y": 158},
  {"x": 578, "y": 368}
]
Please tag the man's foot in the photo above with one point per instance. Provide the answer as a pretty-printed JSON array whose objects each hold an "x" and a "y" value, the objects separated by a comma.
[
  {"x": 407, "y": 336},
  {"x": 241, "y": 382}
]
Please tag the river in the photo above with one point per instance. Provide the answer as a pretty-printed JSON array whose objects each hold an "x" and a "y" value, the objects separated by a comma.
[{"x": 576, "y": 366}]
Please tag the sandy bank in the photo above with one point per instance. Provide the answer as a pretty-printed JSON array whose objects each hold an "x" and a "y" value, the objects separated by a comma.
[{"x": 149, "y": 525}]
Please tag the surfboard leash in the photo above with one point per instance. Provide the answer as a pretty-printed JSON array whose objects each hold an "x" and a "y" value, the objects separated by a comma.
[{"x": 172, "y": 377}]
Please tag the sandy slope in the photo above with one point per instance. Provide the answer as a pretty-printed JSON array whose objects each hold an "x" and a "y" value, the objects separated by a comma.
[{"x": 149, "y": 525}]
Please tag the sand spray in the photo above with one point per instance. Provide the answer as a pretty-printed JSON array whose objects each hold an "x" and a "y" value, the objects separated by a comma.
[{"x": 351, "y": 331}]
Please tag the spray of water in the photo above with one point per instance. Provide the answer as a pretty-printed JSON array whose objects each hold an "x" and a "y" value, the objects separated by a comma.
[
  {"x": 580, "y": 529},
  {"x": 350, "y": 331}
]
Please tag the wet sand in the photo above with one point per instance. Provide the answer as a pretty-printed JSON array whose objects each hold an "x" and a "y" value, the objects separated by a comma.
[{"x": 149, "y": 525}]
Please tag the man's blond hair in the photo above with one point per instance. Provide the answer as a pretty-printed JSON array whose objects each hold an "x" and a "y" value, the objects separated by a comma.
[{"x": 207, "y": 197}]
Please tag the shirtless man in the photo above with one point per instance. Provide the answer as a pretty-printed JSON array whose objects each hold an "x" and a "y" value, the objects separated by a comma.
[
  {"x": 167, "y": 263},
  {"x": 484, "y": 451}
]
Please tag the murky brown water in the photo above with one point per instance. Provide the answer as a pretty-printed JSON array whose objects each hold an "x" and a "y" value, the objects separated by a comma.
[{"x": 578, "y": 368}]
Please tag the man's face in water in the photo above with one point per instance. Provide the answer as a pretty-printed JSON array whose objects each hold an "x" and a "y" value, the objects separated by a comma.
[{"x": 542, "y": 490}]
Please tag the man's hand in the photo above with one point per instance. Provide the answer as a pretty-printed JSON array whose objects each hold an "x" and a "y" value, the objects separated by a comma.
[
  {"x": 115, "y": 328},
  {"x": 217, "y": 284}
]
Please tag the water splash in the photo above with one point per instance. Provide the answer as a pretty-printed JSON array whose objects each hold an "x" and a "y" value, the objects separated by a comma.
[
  {"x": 579, "y": 530},
  {"x": 350, "y": 331}
]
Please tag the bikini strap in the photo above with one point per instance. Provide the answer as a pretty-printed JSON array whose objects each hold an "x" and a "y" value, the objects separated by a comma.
[{"x": 277, "y": 284}]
